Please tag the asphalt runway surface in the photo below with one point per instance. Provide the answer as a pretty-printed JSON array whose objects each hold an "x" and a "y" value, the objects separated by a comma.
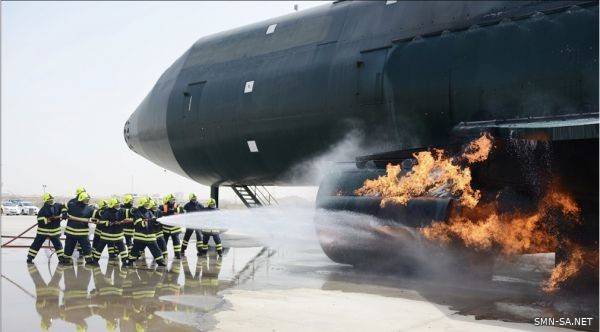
[{"x": 255, "y": 288}]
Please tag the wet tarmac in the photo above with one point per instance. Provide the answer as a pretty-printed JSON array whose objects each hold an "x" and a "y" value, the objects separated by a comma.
[{"x": 255, "y": 288}]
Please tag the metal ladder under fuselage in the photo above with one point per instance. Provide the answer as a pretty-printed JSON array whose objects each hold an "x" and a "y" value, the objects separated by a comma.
[{"x": 254, "y": 196}]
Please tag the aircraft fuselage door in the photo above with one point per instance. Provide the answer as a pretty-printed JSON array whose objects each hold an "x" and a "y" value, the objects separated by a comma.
[
  {"x": 369, "y": 87},
  {"x": 192, "y": 96}
]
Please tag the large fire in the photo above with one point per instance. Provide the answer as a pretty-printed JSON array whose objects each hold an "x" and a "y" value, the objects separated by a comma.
[
  {"x": 482, "y": 225},
  {"x": 434, "y": 174}
]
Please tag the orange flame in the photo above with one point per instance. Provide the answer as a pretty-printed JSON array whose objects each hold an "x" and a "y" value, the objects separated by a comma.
[
  {"x": 565, "y": 270},
  {"x": 479, "y": 149},
  {"x": 483, "y": 227},
  {"x": 565, "y": 202},
  {"x": 579, "y": 259},
  {"x": 480, "y": 225},
  {"x": 434, "y": 174}
]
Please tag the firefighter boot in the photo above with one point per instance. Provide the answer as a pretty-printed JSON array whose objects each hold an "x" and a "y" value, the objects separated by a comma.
[{"x": 65, "y": 261}]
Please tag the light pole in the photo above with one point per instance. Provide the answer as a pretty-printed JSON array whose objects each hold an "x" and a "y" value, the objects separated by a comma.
[{"x": 44, "y": 186}]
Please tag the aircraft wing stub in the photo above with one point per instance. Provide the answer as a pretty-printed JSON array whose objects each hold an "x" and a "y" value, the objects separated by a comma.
[{"x": 552, "y": 128}]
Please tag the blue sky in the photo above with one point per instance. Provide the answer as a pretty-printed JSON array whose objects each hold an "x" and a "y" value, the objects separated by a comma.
[{"x": 73, "y": 72}]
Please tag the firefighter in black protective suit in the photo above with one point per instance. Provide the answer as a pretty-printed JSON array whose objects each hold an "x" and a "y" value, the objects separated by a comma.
[
  {"x": 170, "y": 207},
  {"x": 99, "y": 227},
  {"x": 128, "y": 228},
  {"x": 157, "y": 229},
  {"x": 192, "y": 206},
  {"x": 112, "y": 233},
  {"x": 211, "y": 204},
  {"x": 144, "y": 234},
  {"x": 48, "y": 227},
  {"x": 73, "y": 200},
  {"x": 79, "y": 215}
]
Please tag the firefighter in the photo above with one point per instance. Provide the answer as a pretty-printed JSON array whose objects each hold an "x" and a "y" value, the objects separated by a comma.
[
  {"x": 128, "y": 228},
  {"x": 78, "y": 191},
  {"x": 112, "y": 233},
  {"x": 99, "y": 227},
  {"x": 170, "y": 207},
  {"x": 144, "y": 235},
  {"x": 211, "y": 204},
  {"x": 79, "y": 216},
  {"x": 157, "y": 228},
  {"x": 73, "y": 200},
  {"x": 192, "y": 206},
  {"x": 48, "y": 227}
]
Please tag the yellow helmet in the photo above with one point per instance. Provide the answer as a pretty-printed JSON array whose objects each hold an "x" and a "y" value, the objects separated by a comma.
[
  {"x": 112, "y": 202},
  {"x": 110, "y": 325},
  {"x": 211, "y": 202},
  {"x": 152, "y": 203},
  {"x": 47, "y": 197},
  {"x": 83, "y": 196},
  {"x": 127, "y": 199},
  {"x": 192, "y": 196},
  {"x": 168, "y": 198},
  {"x": 79, "y": 190},
  {"x": 102, "y": 204},
  {"x": 45, "y": 326},
  {"x": 143, "y": 201}
]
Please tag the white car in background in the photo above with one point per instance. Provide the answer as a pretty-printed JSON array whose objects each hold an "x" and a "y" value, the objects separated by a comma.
[
  {"x": 10, "y": 208},
  {"x": 26, "y": 207}
]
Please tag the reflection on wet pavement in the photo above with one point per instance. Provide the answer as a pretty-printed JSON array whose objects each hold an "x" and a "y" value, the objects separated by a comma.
[
  {"x": 255, "y": 288},
  {"x": 110, "y": 297}
]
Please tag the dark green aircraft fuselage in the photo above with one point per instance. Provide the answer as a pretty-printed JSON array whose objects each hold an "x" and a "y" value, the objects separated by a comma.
[{"x": 245, "y": 106}]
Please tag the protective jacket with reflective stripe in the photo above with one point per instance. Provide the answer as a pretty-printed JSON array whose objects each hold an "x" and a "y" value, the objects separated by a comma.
[
  {"x": 111, "y": 232},
  {"x": 155, "y": 225},
  {"x": 143, "y": 231},
  {"x": 98, "y": 215},
  {"x": 45, "y": 225},
  {"x": 193, "y": 206},
  {"x": 127, "y": 210},
  {"x": 168, "y": 210},
  {"x": 81, "y": 210}
]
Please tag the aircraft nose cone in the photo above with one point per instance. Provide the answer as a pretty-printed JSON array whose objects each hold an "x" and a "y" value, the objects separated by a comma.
[
  {"x": 145, "y": 132},
  {"x": 131, "y": 134},
  {"x": 128, "y": 133}
]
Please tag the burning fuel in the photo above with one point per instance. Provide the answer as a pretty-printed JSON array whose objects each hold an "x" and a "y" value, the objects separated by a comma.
[
  {"x": 434, "y": 174},
  {"x": 565, "y": 270},
  {"x": 482, "y": 224},
  {"x": 483, "y": 227}
]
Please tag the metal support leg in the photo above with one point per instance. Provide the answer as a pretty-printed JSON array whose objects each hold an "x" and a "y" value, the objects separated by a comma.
[{"x": 214, "y": 193}]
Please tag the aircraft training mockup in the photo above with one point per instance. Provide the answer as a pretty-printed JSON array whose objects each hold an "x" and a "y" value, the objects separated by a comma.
[{"x": 429, "y": 86}]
